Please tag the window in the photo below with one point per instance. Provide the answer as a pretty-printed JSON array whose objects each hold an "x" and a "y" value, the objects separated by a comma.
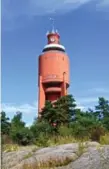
[{"x": 52, "y": 85}]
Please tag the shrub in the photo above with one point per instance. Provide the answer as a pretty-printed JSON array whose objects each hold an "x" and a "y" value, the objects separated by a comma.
[
  {"x": 79, "y": 131},
  {"x": 40, "y": 127},
  {"x": 5, "y": 124},
  {"x": 65, "y": 131},
  {"x": 104, "y": 139},
  {"x": 97, "y": 132},
  {"x": 42, "y": 140},
  {"x": 5, "y": 139},
  {"x": 23, "y": 136}
]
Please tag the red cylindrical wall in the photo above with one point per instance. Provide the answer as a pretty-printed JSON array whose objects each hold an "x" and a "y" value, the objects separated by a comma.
[
  {"x": 53, "y": 71},
  {"x": 52, "y": 66}
]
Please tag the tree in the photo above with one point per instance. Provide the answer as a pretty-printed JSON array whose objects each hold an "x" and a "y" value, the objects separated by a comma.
[
  {"x": 17, "y": 122},
  {"x": 5, "y": 124},
  {"x": 19, "y": 133},
  {"x": 23, "y": 136},
  {"x": 61, "y": 112},
  {"x": 48, "y": 112},
  {"x": 40, "y": 127},
  {"x": 65, "y": 108},
  {"x": 102, "y": 111}
]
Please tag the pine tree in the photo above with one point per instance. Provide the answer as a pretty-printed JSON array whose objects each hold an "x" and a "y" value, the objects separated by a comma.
[{"x": 5, "y": 124}]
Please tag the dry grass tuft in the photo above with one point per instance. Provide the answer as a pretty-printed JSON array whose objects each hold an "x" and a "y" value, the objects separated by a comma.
[
  {"x": 52, "y": 163},
  {"x": 59, "y": 140},
  {"x": 10, "y": 147},
  {"x": 104, "y": 140}
]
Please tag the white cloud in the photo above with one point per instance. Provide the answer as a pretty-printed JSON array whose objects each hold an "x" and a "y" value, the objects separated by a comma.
[
  {"x": 28, "y": 124},
  {"x": 100, "y": 90},
  {"x": 79, "y": 106},
  {"x": 104, "y": 3},
  {"x": 24, "y": 108},
  {"x": 13, "y": 10},
  {"x": 87, "y": 100}
]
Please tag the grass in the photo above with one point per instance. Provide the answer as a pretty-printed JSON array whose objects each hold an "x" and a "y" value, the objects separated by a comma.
[
  {"x": 104, "y": 140},
  {"x": 59, "y": 140},
  {"x": 51, "y": 163},
  {"x": 54, "y": 141},
  {"x": 10, "y": 147},
  {"x": 28, "y": 155},
  {"x": 81, "y": 149}
]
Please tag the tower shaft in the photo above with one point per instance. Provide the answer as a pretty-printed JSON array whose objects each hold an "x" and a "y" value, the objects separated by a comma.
[{"x": 53, "y": 77}]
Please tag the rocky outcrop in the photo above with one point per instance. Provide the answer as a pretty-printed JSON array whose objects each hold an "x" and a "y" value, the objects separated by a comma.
[
  {"x": 90, "y": 155},
  {"x": 94, "y": 158}
]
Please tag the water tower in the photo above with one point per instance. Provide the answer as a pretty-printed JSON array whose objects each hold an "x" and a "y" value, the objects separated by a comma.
[{"x": 53, "y": 75}]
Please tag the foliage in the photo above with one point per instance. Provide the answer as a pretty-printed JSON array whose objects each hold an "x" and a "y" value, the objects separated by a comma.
[
  {"x": 102, "y": 112},
  {"x": 104, "y": 139},
  {"x": 10, "y": 147},
  {"x": 19, "y": 133},
  {"x": 42, "y": 140},
  {"x": 5, "y": 124},
  {"x": 61, "y": 112},
  {"x": 60, "y": 122},
  {"x": 97, "y": 131},
  {"x": 23, "y": 136},
  {"x": 40, "y": 127},
  {"x": 17, "y": 122},
  {"x": 65, "y": 131}
]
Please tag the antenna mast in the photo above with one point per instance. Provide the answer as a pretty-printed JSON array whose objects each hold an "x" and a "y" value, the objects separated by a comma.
[{"x": 52, "y": 23}]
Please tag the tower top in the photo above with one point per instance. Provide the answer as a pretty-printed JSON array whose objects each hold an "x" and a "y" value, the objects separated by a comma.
[
  {"x": 52, "y": 31},
  {"x": 53, "y": 35}
]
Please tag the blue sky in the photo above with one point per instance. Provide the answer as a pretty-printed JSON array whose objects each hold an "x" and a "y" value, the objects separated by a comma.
[{"x": 84, "y": 29}]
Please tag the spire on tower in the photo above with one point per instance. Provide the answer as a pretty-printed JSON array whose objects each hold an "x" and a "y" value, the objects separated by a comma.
[
  {"x": 52, "y": 23},
  {"x": 52, "y": 31}
]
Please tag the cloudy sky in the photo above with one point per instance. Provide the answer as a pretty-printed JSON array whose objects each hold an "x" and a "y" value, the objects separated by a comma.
[{"x": 84, "y": 29}]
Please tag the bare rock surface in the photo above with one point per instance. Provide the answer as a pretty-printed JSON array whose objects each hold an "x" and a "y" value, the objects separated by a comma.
[
  {"x": 91, "y": 156},
  {"x": 94, "y": 158}
]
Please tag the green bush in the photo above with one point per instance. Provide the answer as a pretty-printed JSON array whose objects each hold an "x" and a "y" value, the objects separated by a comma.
[
  {"x": 69, "y": 123},
  {"x": 65, "y": 131},
  {"x": 23, "y": 136},
  {"x": 42, "y": 140},
  {"x": 97, "y": 132},
  {"x": 79, "y": 131}
]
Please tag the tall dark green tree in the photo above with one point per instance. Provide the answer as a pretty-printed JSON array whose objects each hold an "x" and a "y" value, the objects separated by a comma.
[
  {"x": 102, "y": 111},
  {"x": 17, "y": 122},
  {"x": 5, "y": 124},
  {"x": 61, "y": 112},
  {"x": 48, "y": 113},
  {"x": 82, "y": 123},
  {"x": 19, "y": 133},
  {"x": 66, "y": 108}
]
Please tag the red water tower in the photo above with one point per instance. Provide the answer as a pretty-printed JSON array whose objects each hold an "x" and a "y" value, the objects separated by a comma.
[{"x": 53, "y": 77}]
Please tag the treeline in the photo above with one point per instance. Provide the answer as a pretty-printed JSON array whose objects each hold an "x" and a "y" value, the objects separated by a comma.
[{"x": 61, "y": 119}]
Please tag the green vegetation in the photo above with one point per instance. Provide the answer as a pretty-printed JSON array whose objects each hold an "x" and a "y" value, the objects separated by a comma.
[
  {"x": 51, "y": 164},
  {"x": 105, "y": 139},
  {"x": 10, "y": 147},
  {"x": 28, "y": 155},
  {"x": 60, "y": 123}
]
